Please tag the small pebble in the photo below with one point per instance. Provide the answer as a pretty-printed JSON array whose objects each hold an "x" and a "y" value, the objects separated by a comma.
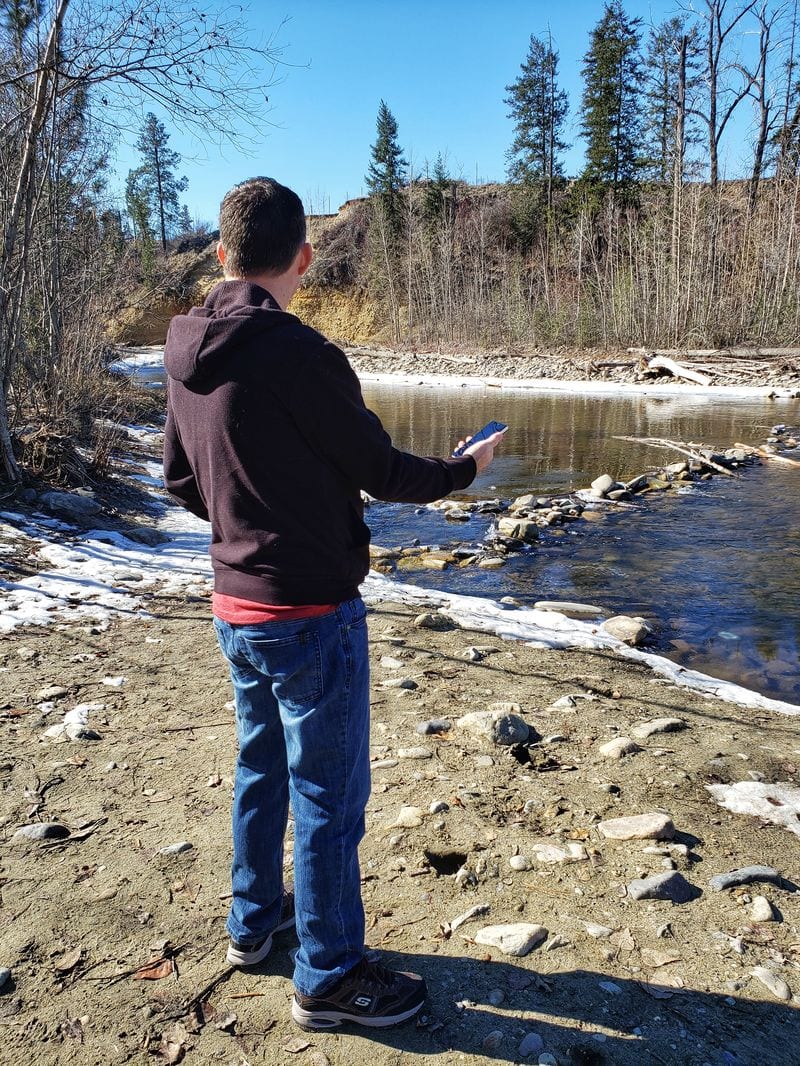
[
  {"x": 519, "y": 862},
  {"x": 761, "y": 910},
  {"x": 176, "y": 849},
  {"x": 5, "y": 976},
  {"x": 777, "y": 986},
  {"x": 496, "y": 997},
  {"x": 414, "y": 753},
  {"x": 434, "y": 725},
  {"x": 547, "y": 1059},
  {"x": 493, "y": 1040},
  {"x": 439, "y": 807},
  {"x": 531, "y": 1044},
  {"x": 400, "y": 682}
]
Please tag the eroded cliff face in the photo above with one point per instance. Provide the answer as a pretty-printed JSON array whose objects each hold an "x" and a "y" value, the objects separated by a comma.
[
  {"x": 187, "y": 279},
  {"x": 346, "y": 316}
]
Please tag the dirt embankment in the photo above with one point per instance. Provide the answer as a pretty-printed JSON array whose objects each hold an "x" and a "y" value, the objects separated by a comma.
[{"x": 616, "y": 979}]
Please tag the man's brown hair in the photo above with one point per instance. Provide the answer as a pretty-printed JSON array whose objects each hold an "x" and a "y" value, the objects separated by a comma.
[{"x": 262, "y": 227}]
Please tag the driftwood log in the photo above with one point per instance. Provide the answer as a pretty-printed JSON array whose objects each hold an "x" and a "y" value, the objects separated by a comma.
[
  {"x": 762, "y": 453},
  {"x": 679, "y": 446}
]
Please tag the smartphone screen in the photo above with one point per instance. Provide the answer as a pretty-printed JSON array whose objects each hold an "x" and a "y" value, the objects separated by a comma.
[{"x": 482, "y": 434}]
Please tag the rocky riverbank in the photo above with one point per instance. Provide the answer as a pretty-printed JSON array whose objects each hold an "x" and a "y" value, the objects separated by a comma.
[
  {"x": 766, "y": 369},
  {"x": 542, "y": 843}
]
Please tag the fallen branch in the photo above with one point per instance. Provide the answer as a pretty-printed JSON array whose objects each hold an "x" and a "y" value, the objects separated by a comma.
[
  {"x": 762, "y": 453},
  {"x": 684, "y": 449}
]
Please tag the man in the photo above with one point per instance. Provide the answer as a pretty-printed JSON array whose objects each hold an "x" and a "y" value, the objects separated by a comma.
[{"x": 268, "y": 438}]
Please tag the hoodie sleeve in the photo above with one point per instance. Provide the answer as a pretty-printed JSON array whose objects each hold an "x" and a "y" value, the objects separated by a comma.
[
  {"x": 179, "y": 479},
  {"x": 335, "y": 420}
]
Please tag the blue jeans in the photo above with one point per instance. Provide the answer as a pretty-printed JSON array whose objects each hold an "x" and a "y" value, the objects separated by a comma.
[{"x": 302, "y": 720}]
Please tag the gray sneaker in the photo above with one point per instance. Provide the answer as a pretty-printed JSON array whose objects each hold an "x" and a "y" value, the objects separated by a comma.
[
  {"x": 252, "y": 954},
  {"x": 369, "y": 994}
]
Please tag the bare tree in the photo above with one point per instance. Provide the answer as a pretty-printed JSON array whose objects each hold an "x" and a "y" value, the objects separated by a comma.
[
  {"x": 202, "y": 68},
  {"x": 727, "y": 81}
]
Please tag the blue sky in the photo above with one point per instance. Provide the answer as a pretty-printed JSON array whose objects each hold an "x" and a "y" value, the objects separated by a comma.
[{"x": 441, "y": 67}]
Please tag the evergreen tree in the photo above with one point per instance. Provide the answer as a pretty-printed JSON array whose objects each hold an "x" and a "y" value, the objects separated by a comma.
[
  {"x": 137, "y": 201},
  {"x": 662, "y": 93},
  {"x": 155, "y": 182},
  {"x": 437, "y": 203},
  {"x": 610, "y": 116},
  {"x": 387, "y": 170},
  {"x": 539, "y": 110},
  {"x": 184, "y": 223}
]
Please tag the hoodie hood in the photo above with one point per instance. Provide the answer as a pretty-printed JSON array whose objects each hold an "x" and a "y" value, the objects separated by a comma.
[{"x": 234, "y": 312}]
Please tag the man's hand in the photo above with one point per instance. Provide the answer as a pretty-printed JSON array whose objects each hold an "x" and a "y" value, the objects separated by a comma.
[{"x": 483, "y": 451}]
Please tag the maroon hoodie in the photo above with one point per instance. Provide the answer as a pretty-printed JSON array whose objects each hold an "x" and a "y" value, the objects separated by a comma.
[{"x": 268, "y": 438}]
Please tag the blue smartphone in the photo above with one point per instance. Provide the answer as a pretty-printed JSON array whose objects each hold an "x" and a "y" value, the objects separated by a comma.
[{"x": 482, "y": 434}]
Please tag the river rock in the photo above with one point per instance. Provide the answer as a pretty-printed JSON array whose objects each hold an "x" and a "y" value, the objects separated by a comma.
[
  {"x": 69, "y": 505},
  {"x": 439, "y": 807},
  {"x": 414, "y": 753},
  {"x": 409, "y": 817},
  {"x": 518, "y": 529},
  {"x": 434, "y": 562},
  {"x": 52, "y": 692},
  {"x": 572, "y": 851},
  {"x": 517, "y": 940},
  {"x": 744, "y": 876},
  {"x": 631, "y": 631},
  {"x": 524, "y": 503},
  {"x": 597, "y": 932},
  {"x": 658, "y": 725},
  {"x": 491, "y": 562},
  {"x": 567, "y": 607},
  {"x": 431, "y": 621},
  {"x": 500, "y": 728},
  {"x": 5, "y": 976},
  {"x": 42, "y": 831},
  {"x": 400, "y": 682},
  {"x": 531, "y": 1044},
  {"x": 619, "y": 747},
  {"x": 761, "y": 910},
  {"x": 519, "y": 862},
  {"x": 670, "y": 886},
  {"x": 457, "y": 514},
  {"x": 653, "y": 826},
  {"x": 176, "y": 849},
  {"x": 777, "y": 986},
  {"x": 602, "y": 485},
  {"x": 637, "y": 484}
]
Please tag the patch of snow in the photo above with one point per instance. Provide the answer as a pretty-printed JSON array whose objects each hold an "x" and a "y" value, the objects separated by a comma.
[{"x": 778, "y": 803}]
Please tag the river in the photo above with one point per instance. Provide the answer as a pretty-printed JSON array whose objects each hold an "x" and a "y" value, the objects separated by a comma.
[{"x": 714, "y": 568}]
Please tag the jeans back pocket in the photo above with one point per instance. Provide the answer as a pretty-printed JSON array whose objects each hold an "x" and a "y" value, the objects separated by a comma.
[{"x": 292, "y": 663}]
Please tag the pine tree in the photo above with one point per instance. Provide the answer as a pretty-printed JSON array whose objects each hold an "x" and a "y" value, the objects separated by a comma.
[
  {"x": 155, "y": 181},
  {"x": 387, "y": 171},
  {"x": 610, "y": 116},
  {"x": 539, "y": 110},
  {"x": 438, "y": 198},
  {"x": 663, "y": 94}
]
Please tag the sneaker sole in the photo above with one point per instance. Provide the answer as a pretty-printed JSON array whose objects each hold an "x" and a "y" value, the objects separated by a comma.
[
  {"x": 312, "y": 1021},
  {"x": 243, "y": 959}
]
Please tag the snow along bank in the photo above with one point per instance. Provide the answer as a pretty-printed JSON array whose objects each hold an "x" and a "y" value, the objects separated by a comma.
[{"x": 96, "y": 575}]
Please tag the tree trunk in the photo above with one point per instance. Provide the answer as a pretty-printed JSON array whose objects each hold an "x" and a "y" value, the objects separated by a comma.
[{"x": 9, "y": 295}]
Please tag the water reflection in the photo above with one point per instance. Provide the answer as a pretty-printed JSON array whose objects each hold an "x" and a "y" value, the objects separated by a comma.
[{"x": 717, "y": 568}]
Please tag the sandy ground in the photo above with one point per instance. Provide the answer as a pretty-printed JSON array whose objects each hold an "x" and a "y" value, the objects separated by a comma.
[
  {"x": 665, "y": 983},
  {"x": 116, "y": 951}
]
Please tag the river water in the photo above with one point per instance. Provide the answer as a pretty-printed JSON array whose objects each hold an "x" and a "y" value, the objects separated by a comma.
[{"x": 715, "y": 568}]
